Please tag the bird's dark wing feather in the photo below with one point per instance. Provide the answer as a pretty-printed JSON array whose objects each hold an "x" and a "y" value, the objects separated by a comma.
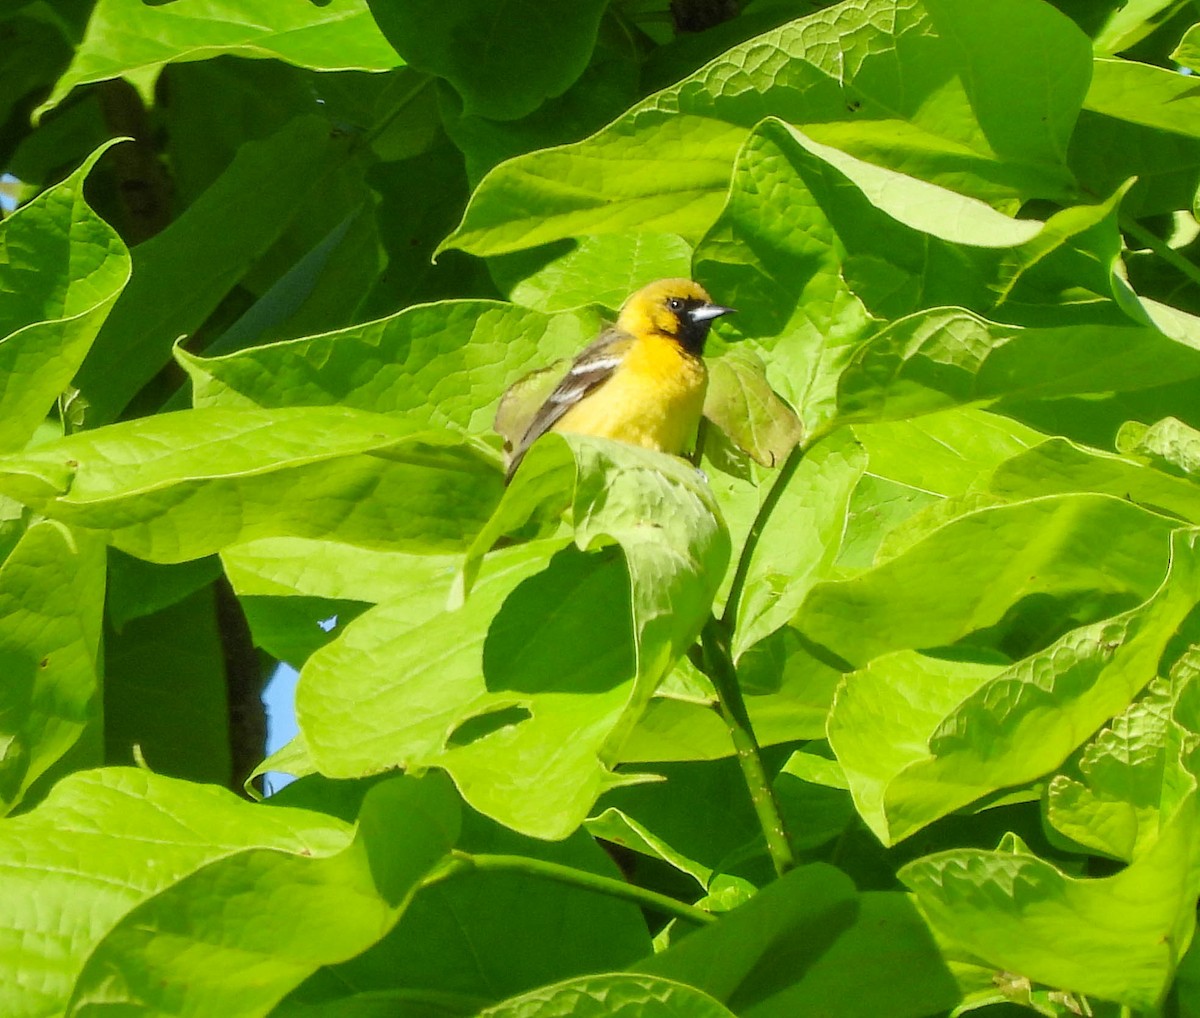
[{"x": 591, "y": 369}]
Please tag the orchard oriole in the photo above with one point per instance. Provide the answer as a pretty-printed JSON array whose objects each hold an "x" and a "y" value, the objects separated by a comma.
[{"x": 641, "y": 381}]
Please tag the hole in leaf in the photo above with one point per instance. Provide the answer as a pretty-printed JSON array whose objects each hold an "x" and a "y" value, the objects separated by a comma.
[{"x": 481, "y": 725}]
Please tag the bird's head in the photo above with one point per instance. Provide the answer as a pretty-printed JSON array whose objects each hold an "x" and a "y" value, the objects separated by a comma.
[{"x": 678, "y": 308}]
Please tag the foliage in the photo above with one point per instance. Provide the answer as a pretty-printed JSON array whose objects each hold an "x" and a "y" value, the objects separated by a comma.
[{"x": 939, "y": 624}]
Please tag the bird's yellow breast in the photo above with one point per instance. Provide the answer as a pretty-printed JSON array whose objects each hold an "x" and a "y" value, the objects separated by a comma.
[{"x": 653, "y": 399}]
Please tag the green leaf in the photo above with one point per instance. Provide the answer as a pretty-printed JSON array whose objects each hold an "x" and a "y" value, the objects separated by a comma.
[
  {"x": 741, "y": 402},
  {"x": 612, "y": 82},
  {"x": 788, "y": 694},
  {"x": 51, "y": 600},
  {"x": 291, "y": 758},
  {"x": 237, "y": 934},
  {"x": 334, "y": 570},
  {"x": 943, "y": 453},
  {"x": 62, "y": 268},
  {"x": 1132, "y": 22},
  {"x": 1140, "y": 94},
  {"x": 290, "y": 629},
  {"x": 600, "y": 270},
  {"x": 182, "y": 274},
  {"x": 551, "y": 195},
  {"x": 1011, "y": 577},
  {"x": 885, "y": 963},
  {"x": 1107, "y": 151},
  {"x": 1169, "y": 444},
  {"x": 752, "y": 955},
  {"x": 165, "y": 696},
  {"x": 504, "y": 61},
  {"x": 133, "y": 40},
  {"x": 1058, "y": 466},
  {"x": 374, "y": 698},
  {"x": 524, "y": 693},
  {"x": 814, "y": 799},
  {"x": 137, "y": 588},
  {"x": 674, "y": 820},
  {"x": 1021, "y": 914},
  {"x": 1128, "y": 788},
  {"x": 612, "y": 995},
  {"x": 181, "y": 486},
  {"x": 801, "y": 539},
  {"x": 1188, "y": 50},
  {"x": 439, "y": 364},
  {"x": 456, "y": 939},
  {"x": 103, "y": 842},
  {"x": 887, "y": 244},
  {"x": 666, "y": 162},
  {"x": 783, "y": 274},
  {"x": 942, "y": 358},
  {"x": 920, "y": 736}
]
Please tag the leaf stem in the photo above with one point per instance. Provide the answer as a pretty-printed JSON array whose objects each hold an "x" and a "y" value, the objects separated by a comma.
[
  {"x": 461, "y": 862},
  {"x": 1161, "y": 248},
  {"x": 718, "y": 662}
]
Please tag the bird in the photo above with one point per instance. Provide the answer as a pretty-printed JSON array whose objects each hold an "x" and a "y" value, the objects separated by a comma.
[{"x": 641, "y": 380}]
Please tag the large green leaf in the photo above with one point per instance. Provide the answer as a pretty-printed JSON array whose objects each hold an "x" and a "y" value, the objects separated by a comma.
[
  {"x": 547, "y": 665},
  {"x": 61, "y": 270},
  {"x": 1057, "y": 466},
  {"x": 182, "y": 274},
  {"x": 236, "y": 934},
  {"x": 336, "y": 570},
  {"x": 921, "y": 736},
  {"x": 782, "y": 930},
  {"x": 137, "y": 588},
  {"x": 1010, "y": 577},
  {"x": 165, "y": 696},
  {"x": 442, "y": 364},
  {"x": 868, "y": 241},
  {"x": 613, "y": 81},
  {"x": 600, "y": 270},
  {"x": 134, "y": 40},
  {"x": 1129, "y": 781},
  {"x": 1140, "y": 94},
  {"x": 504, "y": 60},
  {"x": 801, "y": 540},
  {"x": 456, "y": 942},
  {"x": 886, "y": 963},
  {"x": 808, "y": 944},
  {"x": 1118, "y": 938},
  {"x": 664, "y": 165},
  {"x": 102, "y": 843},
  {"x": 783, "y": 273},
  {"x": 183, "y": 485},
  {"x": 943, "y": 453},
  {"x": 674, "y": 820},
  {"x": 51, "y": 600},
  {"x": 613, "y": 995},
  {"x": 949, "y": 357}
]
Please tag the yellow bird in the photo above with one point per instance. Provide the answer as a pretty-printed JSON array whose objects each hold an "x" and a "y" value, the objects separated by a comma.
[{"x": 641, "y": 381}]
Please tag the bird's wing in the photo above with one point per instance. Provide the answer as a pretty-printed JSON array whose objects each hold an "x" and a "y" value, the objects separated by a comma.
[{"x": 591, "y": 369}]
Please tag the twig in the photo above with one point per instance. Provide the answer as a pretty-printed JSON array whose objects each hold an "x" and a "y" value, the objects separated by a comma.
[
  {"x": 719, "y": 667},
  {"x": 461, "y": 862}
]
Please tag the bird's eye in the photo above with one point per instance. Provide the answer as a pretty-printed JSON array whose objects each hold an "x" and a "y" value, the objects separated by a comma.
[{"x": 675, "y": 304}]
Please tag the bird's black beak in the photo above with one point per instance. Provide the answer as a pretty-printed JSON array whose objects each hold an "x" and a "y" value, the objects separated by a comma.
[{"x": 707, "y": 312}]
